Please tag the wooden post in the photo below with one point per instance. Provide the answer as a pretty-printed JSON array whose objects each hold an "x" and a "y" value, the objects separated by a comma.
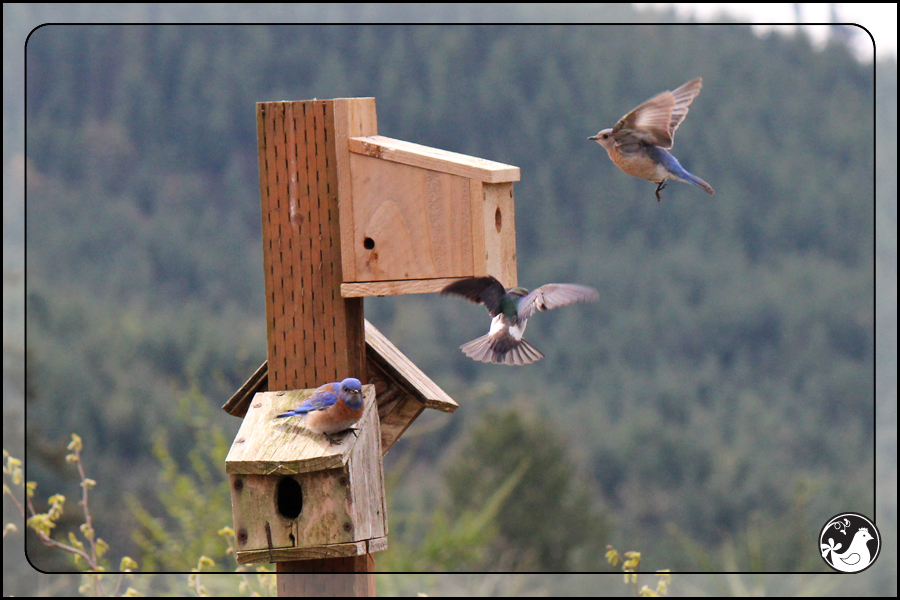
[{"x": 314, "y": 335}]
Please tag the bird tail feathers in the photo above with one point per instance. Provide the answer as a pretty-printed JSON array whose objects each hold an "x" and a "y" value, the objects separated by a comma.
[
  {"x": 501, "y": 350},
  {"x": 290, "y": 413},
  {"x": 698, "y": 182}
]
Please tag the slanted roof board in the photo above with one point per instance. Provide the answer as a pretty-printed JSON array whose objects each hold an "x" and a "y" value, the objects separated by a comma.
[{"x": 408, "y": 153}]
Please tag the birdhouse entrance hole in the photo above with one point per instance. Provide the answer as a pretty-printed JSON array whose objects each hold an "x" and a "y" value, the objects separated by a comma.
[{"x": 290, "y": 498}]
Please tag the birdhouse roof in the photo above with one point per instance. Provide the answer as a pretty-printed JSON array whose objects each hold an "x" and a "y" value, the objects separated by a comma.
[{"x": 434, "y": 159}]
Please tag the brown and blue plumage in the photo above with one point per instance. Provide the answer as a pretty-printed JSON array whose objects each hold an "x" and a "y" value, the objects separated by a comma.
[
  {"x": 333, "y": 407},
  {"x": 637, "y": 144}
]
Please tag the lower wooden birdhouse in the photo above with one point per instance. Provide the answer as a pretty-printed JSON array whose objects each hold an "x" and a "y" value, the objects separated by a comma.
[{"x": 295, "y": 495}]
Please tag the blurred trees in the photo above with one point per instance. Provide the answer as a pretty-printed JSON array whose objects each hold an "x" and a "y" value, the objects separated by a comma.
[{"x": 553, "y": 519}]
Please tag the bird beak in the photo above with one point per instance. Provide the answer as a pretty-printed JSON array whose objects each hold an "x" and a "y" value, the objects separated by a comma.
[{"x": 594, "y": 137}]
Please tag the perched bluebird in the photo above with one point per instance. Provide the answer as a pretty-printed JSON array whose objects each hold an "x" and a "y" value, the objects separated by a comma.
[
  {"x": 638, "y": 142},
  {"x": 334, "y": 407},
  {"x": 510, "y": 310}
]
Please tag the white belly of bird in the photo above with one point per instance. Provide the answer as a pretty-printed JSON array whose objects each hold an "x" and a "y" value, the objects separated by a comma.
[{"x": 498, "y": 324}]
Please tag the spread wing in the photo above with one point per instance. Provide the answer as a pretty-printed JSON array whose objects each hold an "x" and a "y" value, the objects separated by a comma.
[
  {"x": 554, "y": 295},
  {"x": 655, "y": 121},
  {"x": 480, "y": 290}
]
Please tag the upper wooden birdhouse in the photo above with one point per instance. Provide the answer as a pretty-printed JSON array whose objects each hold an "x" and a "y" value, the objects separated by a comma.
[
  {"x": 416, "y": 218},
  {"x": 297, "y": 496}
]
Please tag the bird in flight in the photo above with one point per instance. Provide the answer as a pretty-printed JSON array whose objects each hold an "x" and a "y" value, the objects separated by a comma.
[
  {"x": 511, "y": 310},
  {"x": 638, "y": 143}
]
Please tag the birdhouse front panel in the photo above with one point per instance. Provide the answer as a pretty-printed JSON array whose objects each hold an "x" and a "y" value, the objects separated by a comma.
[
  {"x": 411, "y": 223},
  {"x": 285, "y": 510},
  {"x": 417, "y": 218}
]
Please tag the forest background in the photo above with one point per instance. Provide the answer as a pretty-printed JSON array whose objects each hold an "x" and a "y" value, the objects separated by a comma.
[{"x": 713, "y": 410}]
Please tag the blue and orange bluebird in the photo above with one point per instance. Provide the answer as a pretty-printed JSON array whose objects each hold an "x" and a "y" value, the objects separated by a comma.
[
  {"x": 638, "y": 142},
  {"x": 333, "y": 407}
]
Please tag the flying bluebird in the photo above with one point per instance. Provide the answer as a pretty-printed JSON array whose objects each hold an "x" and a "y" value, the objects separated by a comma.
[
  {"x": 332, "y": 408},
  {"x": 638, "y": 142},
  {"x": 510, "y": 310}
]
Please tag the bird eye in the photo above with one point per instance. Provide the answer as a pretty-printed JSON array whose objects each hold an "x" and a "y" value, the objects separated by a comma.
[{"x": 605, "y": 136}]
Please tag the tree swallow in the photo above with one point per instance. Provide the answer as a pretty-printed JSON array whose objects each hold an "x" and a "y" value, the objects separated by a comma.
[{"x": 510, "y": 310}]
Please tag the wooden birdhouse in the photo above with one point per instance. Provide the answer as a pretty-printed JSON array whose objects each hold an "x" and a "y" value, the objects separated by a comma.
[
  {"x": 347, "y": 213},
  {"x": 418, "y": 218},
  {"x": 295, "y": 495}
]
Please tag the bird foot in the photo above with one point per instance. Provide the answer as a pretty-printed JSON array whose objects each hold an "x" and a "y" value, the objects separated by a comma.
[
  {"x": 355, "y": 431},
  {"x": 659, "y": 188},
  {"x": 333, "y": 441}
]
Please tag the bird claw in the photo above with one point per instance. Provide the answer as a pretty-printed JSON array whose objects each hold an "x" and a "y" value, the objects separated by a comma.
[
  {"x": 355, "y": 431},
  {"x": 660, "y": 187}
]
